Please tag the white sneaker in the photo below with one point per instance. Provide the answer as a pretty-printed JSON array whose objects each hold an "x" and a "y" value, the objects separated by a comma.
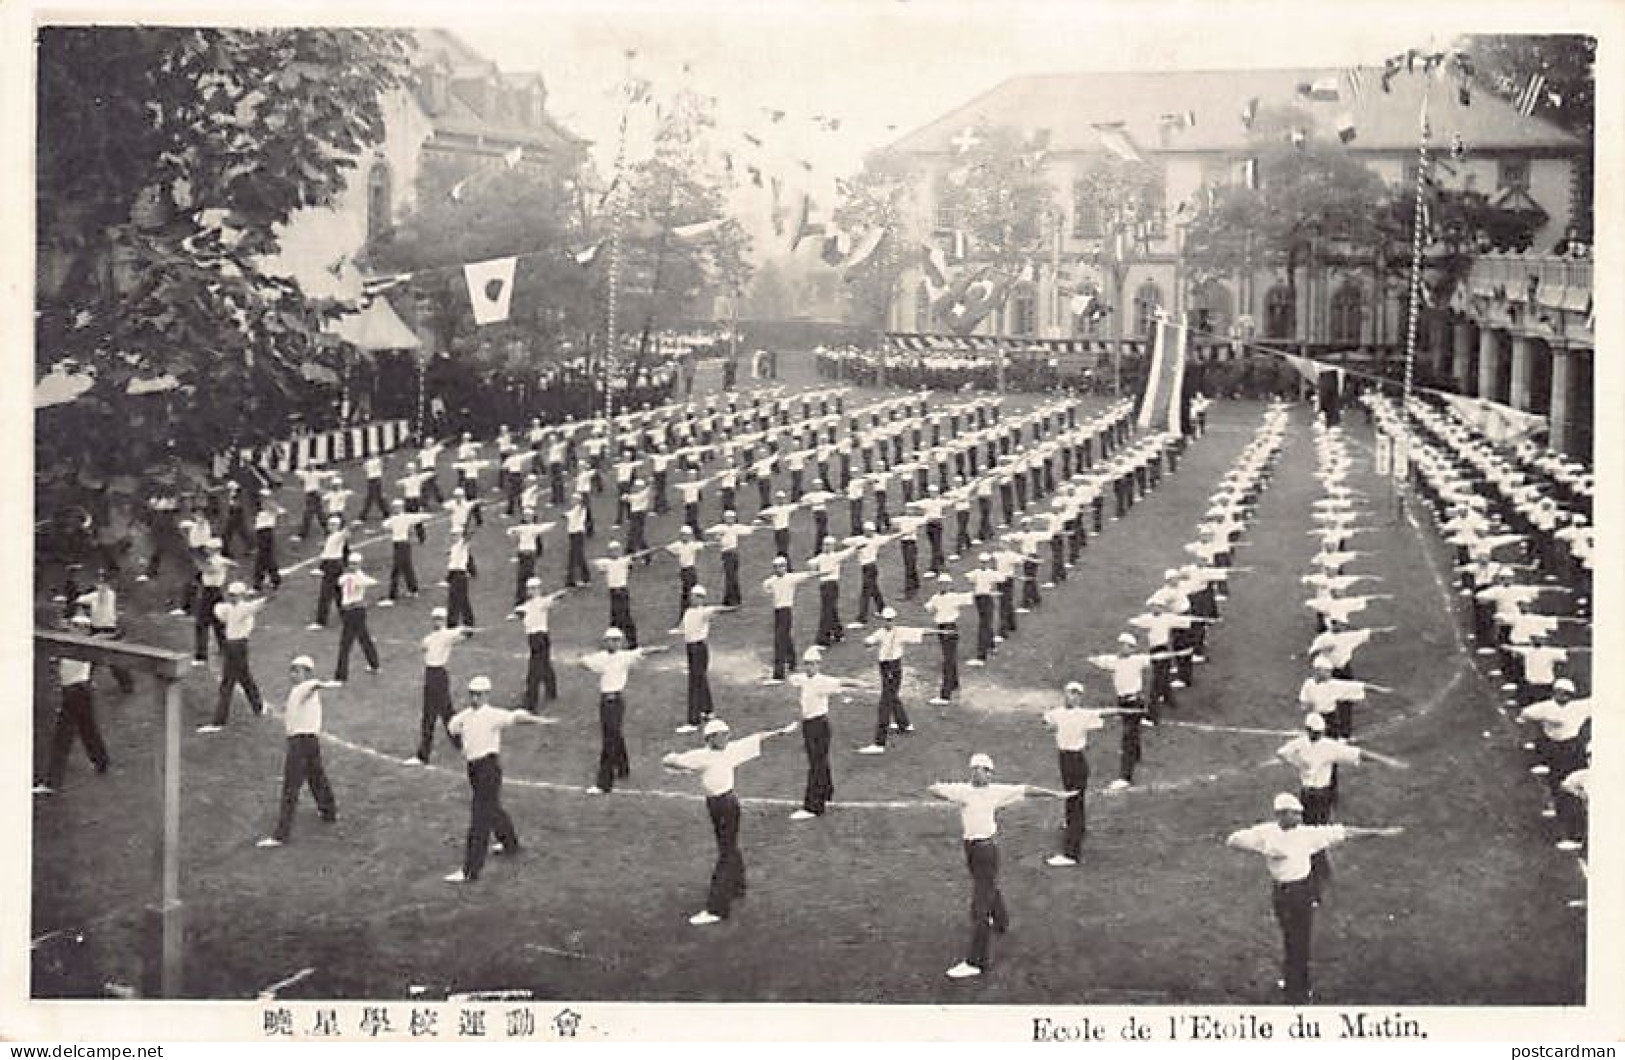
[
  {"x": 773, "y": 681},
  {"x": 1060, "y": 860},
  {"x": 963, "y": 970},
  {"x": 1486, "y": 651},
  {"x": 199, "y": 662},
  {"x": 686, "y": 728},
  {"x": 209, "y": 728},
  {"x": 44, "y": 789},
  {"x": 1023, "y": 611},
  {"x": 595, "y": 790},
  {"x": 704, "y": 917},
  {"x": 1568, "y": 844},
  {"x": 674, "y": 631},
  {"x": 974, "y": 662},
  {"x": 1118, "y": 785},
  {"x": 1047, "y": 585},
  {"x": 1176, "y": 683},
  {"x": 1199, "y": 658},
  {"x": 314, "y": 626},
  {"x": 1509, "y": 686},
  {"x": 1549, "y": 811},
  {"x": 456, "y": 877},
  {"x": 268, "y": 843},
  {"x": 386, "y": 603},
  {"x": 872, "y": 749},
  {"x": 998, "y": 640},
  {"x": 413, "y": 761},
  {"x": 141, "y": 578},
  {"x": 1529, "y": 745},
  {"x": 1540, "y": 771},
  {"x": 938, "y": 701},
  {"x": 802, "y": 815},
  {"x": 854, "y": 625}
]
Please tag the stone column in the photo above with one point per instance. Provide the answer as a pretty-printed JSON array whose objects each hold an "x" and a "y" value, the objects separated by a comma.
[
  {"x": 1491, "y": 353},
  {"x": 1524, "y": 352},
  {"x": 1463, "y": 339},
  {"x": 1562, "y": 406}
]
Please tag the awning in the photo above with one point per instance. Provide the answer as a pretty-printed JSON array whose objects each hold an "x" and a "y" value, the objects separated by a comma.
[
  {"x": 376, "y": 327},
  {"x": 61, "y": 386}
]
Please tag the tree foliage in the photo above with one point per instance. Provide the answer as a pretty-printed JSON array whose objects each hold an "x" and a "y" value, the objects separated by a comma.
[
  {"x": 998, "y": 195},
  {"x": 877, "y": 197},
  {"x": 168, "y": 159}
]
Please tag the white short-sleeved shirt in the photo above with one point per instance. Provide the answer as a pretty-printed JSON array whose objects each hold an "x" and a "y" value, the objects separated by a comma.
[
  {"x": 815, "y": 692},
  {"x": 481, "y": 730},
  {"x": 1128, "y": 671},
  {"x": 696, "y": 623},
  {"x": 977, "y": 805},
  {"x": 716, "y": 767},
  {"x": 782, "y": 587},
  {"x": 1339, "y": 646},
  {"x": 237, "y": 618},
  {"x": 1073, "y": 725},
  {"x": 892, "y": 641},
  {"x": 1287, "y": 851},
  {"x": 303, "y": 712},
  {"x": 686, "y": 551},
  {"x": 615, "y": 570},
  {"x": 437, "y": 646},
  {"x": 1559, "y": 722},
  {"x": 1314, "y": 759},
  {"x": 1324, "y": 696},
  {"x": 944, "y": 607},
  {"x": 612, "y": 667}
]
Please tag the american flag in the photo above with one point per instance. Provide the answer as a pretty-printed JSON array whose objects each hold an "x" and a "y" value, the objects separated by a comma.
[{"x": 1530, "y": 97}]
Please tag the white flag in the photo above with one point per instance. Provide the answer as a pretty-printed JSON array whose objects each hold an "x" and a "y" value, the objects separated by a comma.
[{"x": 490, "y": 289}]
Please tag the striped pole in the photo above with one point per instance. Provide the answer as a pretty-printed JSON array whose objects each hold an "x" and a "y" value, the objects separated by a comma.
[
  {"x": 616, "y": 224},
  {"x": 1413, "y": 318}
]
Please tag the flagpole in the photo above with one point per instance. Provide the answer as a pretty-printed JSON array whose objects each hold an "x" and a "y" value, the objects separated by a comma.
[
  {"x": 616, "y": 223},
  {"x": 1413, "y": 319}
]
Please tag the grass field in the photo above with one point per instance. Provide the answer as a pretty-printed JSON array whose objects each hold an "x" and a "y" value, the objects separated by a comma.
[{"x": 869, "y": 903}]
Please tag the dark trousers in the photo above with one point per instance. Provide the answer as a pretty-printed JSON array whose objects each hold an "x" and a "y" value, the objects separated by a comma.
[
  {"x": 1029, "y": 584},
  {"x": 265, "y": 568},
  {"x": 1162, "y": 689},
  {"x": 486, "y": 815},
  {"x": 414, "y": 506},
  {"x": 1317, "y": 809},
  {"x": 539, "y": 670},
  {"x": 950, "y": 658},
  {"x": 233, "y": 672},
  {"x": 1007, "y": 606},
  {"x": 1074, "y": 777},
  {"x": 891, "y": 704},
  {"x": 784, "y": 646},
  {"x": 613, "y": 762},
  {"x": 728, "y": 877},
  {"x": 400, "y": 569},
  {"x": 354, "y": 629},
  {"x": 699, "y": 682},
  {"x": 76, "y": 717},
  {"x": 302, "y": 766},
  {"x": 575, "y": 568},
  {"x": 436, "y": 710},
  {"x": 731, "y": 596},
  {"x": 962, "y": 541},
  {"x": 829, "y": 618},
  {"x": 933, "y": 535},
  {"x": 984, "y": 625},
  {"x": 1128, "y": 756},
  {"x": 375, "y": 496},
  {"x": 781, "y": 543},
  {"x": 987, "y": 912},
  {"x": 204, "y": 620},
  {"x": 911, "y": 568},
  {"x": 524, "y": 570},
  {"x": 687, "y": 579},
  {"x": 815, "y": 737},
  {"x": 312, "y": 515},
  {"x": 327, "y": 592},
  {"x": 1295, "y": 913},
  {"x": 882, "y": 514},
  {"x": 459, "y": 610},
  {"x": 869, "y": 591},
  {"x": 620, "y": 614}
]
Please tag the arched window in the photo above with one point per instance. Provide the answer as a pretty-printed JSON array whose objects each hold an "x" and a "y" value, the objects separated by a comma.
[
  {"x": 1347, "y": 302},
  {"x": 1147, "y": 300},
  {"x": 922, "y": 309},
  {"x": 1280, "y": 312},
  {"x": 1023, "y": 318},
  {"x": 379, "y": 220}
]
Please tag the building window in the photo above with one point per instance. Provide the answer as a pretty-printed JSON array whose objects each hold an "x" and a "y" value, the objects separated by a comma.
[
  {"x": 1280, "y": 312},
  {"x": 1347, "y": 303},
  {"x": 1147, "y": 300},
  {"x": 1023, "y": 314},
  {"x": 1086, "y": 222},
  {"x": 1154, "y": 210},
  {"x": 378, "y": 201},
  {"x": 947, "y": 217},
  {"x": 1512, "y": 173}
]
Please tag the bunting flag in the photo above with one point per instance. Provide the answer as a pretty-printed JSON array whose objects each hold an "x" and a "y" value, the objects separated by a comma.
[
  {"x": 377, "y": 285},
  {"x": 514, "y": 157},
  {"x": 1249, "y": 113},
  {"x": 1355, "y": 78},
  {"x": 1501, "y": 424},
  {"x": 1531, "y": 94},
  {"x": 865, "y": 249},
  {"x": 837, "y": 246},
  {"x": 1346, "y": 131},
  {"x": 803, "y": 228},
  {"x": 1115, "y": 140},
  {"x": 1182, "y": 120},
  {"x": 695, "y": 232},
  {"x": 935, "y": 265},
  {"x": 588, "y": 254},
  {"x": 490, "y": 289},
  {"x": 1298, "y": 137},
  {"x": 1162, "y": 400}
]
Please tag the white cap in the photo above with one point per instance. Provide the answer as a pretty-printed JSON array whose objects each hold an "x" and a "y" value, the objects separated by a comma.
[
  {"x": 698, "y": 590},
  {"x": 890, "y": 612},
  {"x": 438, "y": 612},
  {"x": 213, "y": 542},
  {"x": 945, "y": 577},
  {"x": 1127, "y": 638},
  {"x": 1563, "y": 684},
  {"x": 980, "y": 761},
  {"x": 530, "y": 582},
  {"x": 985, "y": 557},
  {"x": 80, "y": 620},
  {"x": 1314, "y": 723},
  {"x": 304, "y": 660},
  {"x": 813, "y": 654},
  {"x": 614, "y": 631},
  {"x": 715, "y": 725},
  {"x": 480, "y": 684},
  {"x": 1287, "y": 801},
  {"x": 236, "y": 589},
  {"x": 1074, "y": 686}
]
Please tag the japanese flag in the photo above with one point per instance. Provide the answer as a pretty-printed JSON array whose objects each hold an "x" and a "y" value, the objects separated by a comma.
[{"x": 490, "y": 289}]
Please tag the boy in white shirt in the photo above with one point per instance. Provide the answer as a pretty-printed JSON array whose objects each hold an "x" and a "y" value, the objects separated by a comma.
[{"x": 302, "y": 765}]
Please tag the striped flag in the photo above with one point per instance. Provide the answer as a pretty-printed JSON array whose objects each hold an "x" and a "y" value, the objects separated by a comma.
[
  {"x": 1356, "y": 82},
  {"x": 1115, "y": 140},
  {"x": 1530, "y": 97},
  {"x": 1162, "y": 400}
]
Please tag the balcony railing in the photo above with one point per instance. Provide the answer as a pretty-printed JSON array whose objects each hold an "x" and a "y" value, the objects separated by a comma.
[{"x": 1547, "y": 281}]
